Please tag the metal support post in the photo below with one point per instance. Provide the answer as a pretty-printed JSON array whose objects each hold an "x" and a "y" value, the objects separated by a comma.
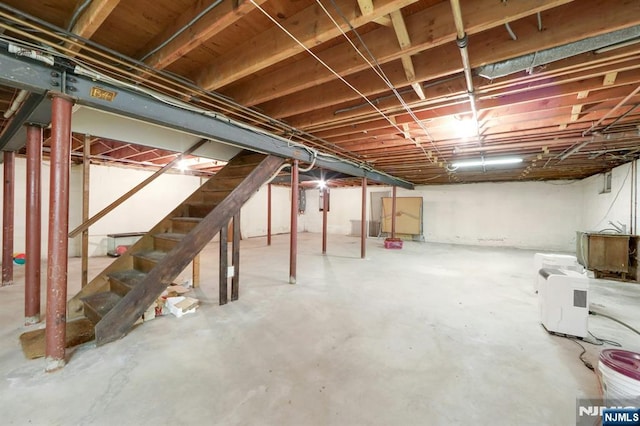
[
  {"x": 58, "y": 233},
  {"x": 33, "y": 246}
]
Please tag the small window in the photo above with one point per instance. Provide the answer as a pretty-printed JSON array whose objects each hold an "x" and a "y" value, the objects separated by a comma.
[{"x": 606, "y": 183}]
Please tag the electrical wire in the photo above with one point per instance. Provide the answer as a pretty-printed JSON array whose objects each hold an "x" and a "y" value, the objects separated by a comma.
[
  {"x": 87, "y": 71},
  {"x": 598, "y": 342},
  {"x": 603, "y": 341},
  {"x": 614, "y": 319},
  {"x": 581, "y": 356},
  {"x": 614, "y": 199},
  {"x": 380, "y": 72},
  {"x": 77, "y": 13},
  {"x": 165, "y": 81},
  {"x": 221, "y": 101},
  {"x": 324, "y": 64},
  {"x": 183, "y": 29}
]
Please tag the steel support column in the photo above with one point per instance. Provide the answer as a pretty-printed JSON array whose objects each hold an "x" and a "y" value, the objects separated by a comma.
[
  {"x": 269, "y": 214},
  {"x": 393, "y": 214},
  {"x": 325, "y": 207},
  {"x": 363, "y": 220},
  {"x": 33, "y": 249},
  {"x": 34, "y": 76},
  {"x": 58, "y": 231},
  {"x": 293, "y": 234},
  {"x": 8, "y": 216},
  {"x": 86, "y": 163}
]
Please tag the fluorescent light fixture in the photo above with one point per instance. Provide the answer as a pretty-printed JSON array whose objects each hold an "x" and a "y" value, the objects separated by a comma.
[{"x": 483, "y": 162}]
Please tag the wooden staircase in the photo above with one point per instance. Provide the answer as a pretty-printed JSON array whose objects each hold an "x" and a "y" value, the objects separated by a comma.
[{"x": 116, "y": 298}]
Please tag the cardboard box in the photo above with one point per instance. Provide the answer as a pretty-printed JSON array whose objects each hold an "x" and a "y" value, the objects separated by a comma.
[
  {"x": 181, "y": 305},
  {"x": 150, "y": 313}
]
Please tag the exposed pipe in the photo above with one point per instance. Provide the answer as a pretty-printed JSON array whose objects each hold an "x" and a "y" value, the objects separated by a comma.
[
  {"x": 77, "y": 13},
  {"x": 22, "y": 94},
  {"x": 510, "y": 31},
  {"x": 164, "y": 76},
  {"x": 622, "y": 102},
  {"x": 462, "y": 41},
  {"x": 620, "y": 118},
  {"x": 539, "y": 21},
  {"x": 182, "y": 29},
  {"x": 575, "y": 149}
]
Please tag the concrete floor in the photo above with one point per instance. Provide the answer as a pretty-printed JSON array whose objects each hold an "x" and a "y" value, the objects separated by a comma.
[{"x": 429, "y": 335}]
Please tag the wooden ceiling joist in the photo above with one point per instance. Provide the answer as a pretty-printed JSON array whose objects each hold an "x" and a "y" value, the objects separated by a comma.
[
  {"x": 213, "y": 22},
  {"x": 91, "y": 19},
  {"x": 310, "y": 27},
  {"x": 424, "y": 32}
]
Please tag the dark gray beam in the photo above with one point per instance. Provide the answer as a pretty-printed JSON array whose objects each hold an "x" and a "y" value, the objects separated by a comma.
[
  {"x": 35, "y": 76},
  {"x": 35, "y": 109}
]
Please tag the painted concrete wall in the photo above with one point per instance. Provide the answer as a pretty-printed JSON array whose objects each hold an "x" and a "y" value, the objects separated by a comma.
[
  {"x": 140, "y": 212},
  {"x": 253, "y": 216},
  {"x": 344, "y": 211},
  {"x": 532, "y": 215},
  {"x": 616, "y": 206},
  {"x": 519, "y": 214},
  {"x": 537, "y": 215}
]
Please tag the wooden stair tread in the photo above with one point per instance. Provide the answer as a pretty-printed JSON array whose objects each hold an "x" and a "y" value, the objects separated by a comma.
[
  {"x": 128, "y": 277},
  {"x": 153, "y": 268},
  {"x": 201, "y": 203},
  {"x": 154, "y": 256},
  {"x": 175, "y": 236},
  {"x": 215, "y": 190},
  {"x": 187, "y": 219},
  {"x": 101, "y": 303}
]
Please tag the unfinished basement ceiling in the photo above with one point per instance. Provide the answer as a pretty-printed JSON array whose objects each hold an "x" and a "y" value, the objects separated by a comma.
[{"x": 378, "y": 83}]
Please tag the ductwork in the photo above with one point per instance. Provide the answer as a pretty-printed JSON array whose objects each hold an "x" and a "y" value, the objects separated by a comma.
[{"x": 536, "y": 59}]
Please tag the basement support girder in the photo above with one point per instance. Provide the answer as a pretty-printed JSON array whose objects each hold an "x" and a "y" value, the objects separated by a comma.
[
  {"x": 14, "y": 135},
  {"x": 37, "y": 77}
]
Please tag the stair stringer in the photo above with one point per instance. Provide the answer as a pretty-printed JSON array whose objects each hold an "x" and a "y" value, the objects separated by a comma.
[
  {"x": 117, "y": 322},
  {"x": 75, "y": 306}
]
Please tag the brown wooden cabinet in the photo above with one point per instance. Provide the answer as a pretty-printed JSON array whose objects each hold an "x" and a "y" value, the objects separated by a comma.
[{"x": 610, "y": 255}]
